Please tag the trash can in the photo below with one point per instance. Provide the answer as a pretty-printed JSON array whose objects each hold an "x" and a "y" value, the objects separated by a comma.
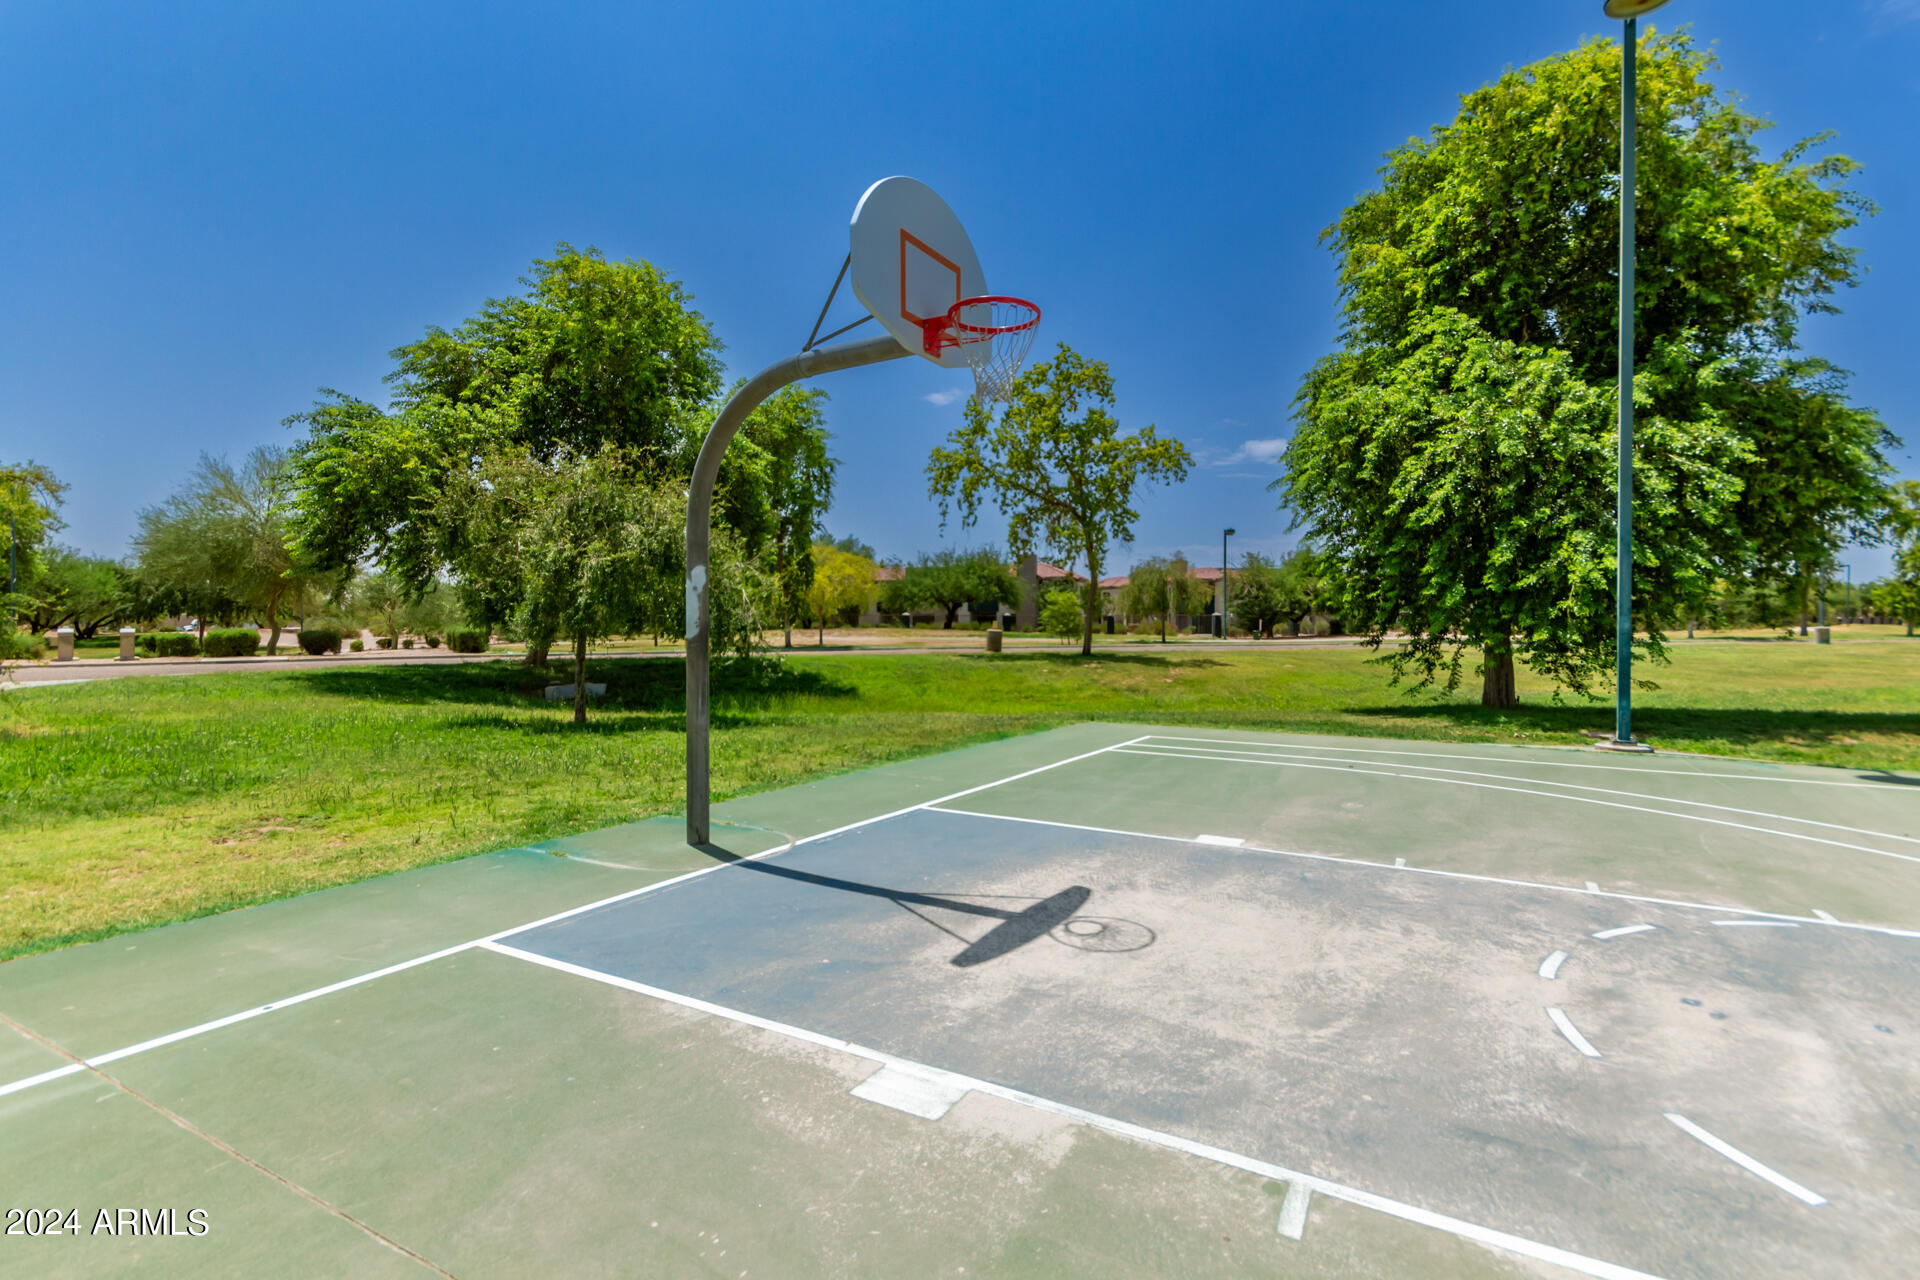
[
  {"x": 1109, "y": 624},
  {"x": 126, "y": 643},
  {"x": 993, "y": 639},
  {"x": 1823, "y": 635}
]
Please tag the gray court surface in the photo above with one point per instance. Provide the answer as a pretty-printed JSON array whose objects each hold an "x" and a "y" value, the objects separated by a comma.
[{"x": 1383, "y": 1027}]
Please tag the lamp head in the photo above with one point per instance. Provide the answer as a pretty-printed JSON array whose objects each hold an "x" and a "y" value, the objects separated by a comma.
[
  {"x": 1632, "y": 8},
  {"x": 1228, "y": 532}
]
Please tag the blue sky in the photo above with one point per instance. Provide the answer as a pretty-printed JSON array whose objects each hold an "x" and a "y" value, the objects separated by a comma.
[{"x": 209, "y": 211}]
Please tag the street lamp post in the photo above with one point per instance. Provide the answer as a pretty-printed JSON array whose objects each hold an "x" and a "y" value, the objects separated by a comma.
[
  {"x": 1630, "y": 10},
  {"x": 1224, "y": 535}
]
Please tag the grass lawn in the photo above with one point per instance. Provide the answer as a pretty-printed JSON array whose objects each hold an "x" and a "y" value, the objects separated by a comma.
[{"x": 127, "y": 803}]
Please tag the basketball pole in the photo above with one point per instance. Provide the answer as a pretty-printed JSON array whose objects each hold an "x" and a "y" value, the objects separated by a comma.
[
  {"x": 706, "y": 471},
  {"x": 1623, "y": 511}
]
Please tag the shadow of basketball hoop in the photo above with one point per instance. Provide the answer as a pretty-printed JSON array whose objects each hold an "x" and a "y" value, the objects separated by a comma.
[{"x": 1052, "y": 917}]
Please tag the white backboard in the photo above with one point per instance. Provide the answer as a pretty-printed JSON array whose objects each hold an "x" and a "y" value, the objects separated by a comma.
[{"x": 910, "y": 261}]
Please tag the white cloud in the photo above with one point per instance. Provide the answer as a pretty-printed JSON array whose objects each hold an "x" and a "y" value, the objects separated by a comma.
[
  {"x": 1262, "y": 451},
  {"x": 1896, "y": 13},
  {"x": 944, "y": 397}
]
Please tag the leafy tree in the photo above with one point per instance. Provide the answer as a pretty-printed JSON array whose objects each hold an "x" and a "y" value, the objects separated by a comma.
[
  {"x": 221, "y": 544},
  {"x": 76, "y": 590},
  {"x": 1257, "y": 601},
  {"x": 30, "y": 498},
  {"x": 600, "y": 550},
  {"x": 1899, "y": 596},
  {"x": 854, "y": 546},
  {"x": 841, "y": 580},
  {"x": 776, "y": 482},
  {"x": 949, "y": 579},
  {"x": 1061, "y": 613},
  {"x": 1455, "y": 459},
  {"x": 1164, "y": 589},
  {"x": 592, "y": 354},
  {"x": 1064, "y": 483}
]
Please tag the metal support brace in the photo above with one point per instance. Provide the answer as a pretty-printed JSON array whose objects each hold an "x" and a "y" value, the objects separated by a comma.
[{"x": 706, "y": 471}]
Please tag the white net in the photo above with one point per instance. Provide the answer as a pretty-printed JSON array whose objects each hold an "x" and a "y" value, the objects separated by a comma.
[{"x": 994, "y": 334}]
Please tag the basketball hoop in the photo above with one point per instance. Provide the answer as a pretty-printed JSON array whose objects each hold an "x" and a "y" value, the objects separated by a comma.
[{"x": 993, "y": 332}]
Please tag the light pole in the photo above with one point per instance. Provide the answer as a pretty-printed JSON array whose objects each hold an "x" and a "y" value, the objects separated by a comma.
[
  {"x": 1224, "y": 535},
  {"x": 1630, "y": 10}
]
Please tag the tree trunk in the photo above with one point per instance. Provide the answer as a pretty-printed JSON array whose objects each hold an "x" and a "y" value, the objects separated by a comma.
[
  {"x": 789, "y": 627},
  {"x": 580, "y": 676},
  {"x": 1496, "y": 688},
  {"x": 536, "y": 654},
  {"x": 1093, "y": 600},
  {"x": 953, "y": 616},
  {"x": 1806, "y": 590},
  {"x": 273, "y": 622}
]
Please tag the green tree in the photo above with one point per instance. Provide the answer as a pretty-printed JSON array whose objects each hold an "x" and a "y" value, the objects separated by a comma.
[
  {"x": 75, "y": 590},
  {"x": 1163, "y": 588},
  {"x": 30, "y": 498},
  {"x": 776, "y": 482},
  {"x": 1454, "y": 460},
  {"x": 222, "y": 543},
  {"x": 841, "y": 580},
  {"x": 1065, "y": 484},
  {"x": 1061, "y": 613},
  {"x": 949, "y": 579},
  {"x": 592, "y": 354},
  {"x": 1257, "y": 602}
]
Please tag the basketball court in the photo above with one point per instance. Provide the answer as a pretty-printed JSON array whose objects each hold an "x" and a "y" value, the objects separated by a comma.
[{"x": 1111, "y": 999}]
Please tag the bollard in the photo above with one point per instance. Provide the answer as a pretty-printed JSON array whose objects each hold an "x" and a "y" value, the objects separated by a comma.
[
  {"x": 993, "y": 639},
  {"x": 126, "y": 643},
  {"x": 1823, "y": 635},
  {"x": 64, "y": 638}
]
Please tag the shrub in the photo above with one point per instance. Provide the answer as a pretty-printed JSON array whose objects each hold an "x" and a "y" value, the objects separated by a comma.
[
  {"x": 467, "y": 640},
  {"x": 407, "y": 643},
  {"x": 318, "y": 640},
  {"x": 385, "y": 642},
  {"x": 15, "y": 643},
  {"x": 232, "y": 642},
  {"x": 433, "y": 642},
  {"x": 358, "y": 645},
  {"x": 168, "y": 644}
]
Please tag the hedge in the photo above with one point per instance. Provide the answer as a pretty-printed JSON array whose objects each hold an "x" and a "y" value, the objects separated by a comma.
[
  {"x": 385, "y": 642},
  {"x": 358, "y": 645},
  {"x": 168, "y": 644},
  {"x": 318, "y": 640},
  {"x": 467, "y": 640},
  {"x": 232, "y": 642}
]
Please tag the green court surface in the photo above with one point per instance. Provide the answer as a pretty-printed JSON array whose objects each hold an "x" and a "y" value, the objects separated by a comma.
[{"x": 1109, "y": 1000}]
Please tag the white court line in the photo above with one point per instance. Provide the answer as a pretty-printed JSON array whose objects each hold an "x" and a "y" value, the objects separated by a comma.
[
  {"x": 1622, "y": 931},
  {"x": 1571, "y": 1032},
  {"x": 1550, "y": 967},
  {"x": 285, "y": 1002},
  {"x": 1761, "y": 924},
  {"x": 1229, "y": 842},
  {"x": 1592, "y": 887},
  {"x": 1525, "y": 791},
  {"x": 1543, "y": 764},
  {"x": 1830, "y": 919},
  {"x": 1435, "y": 871},
  {"x": 1399, "y": 862},
  {"x": 1747, "y": 1162},
  {"x": 1219, "y": 1155},
  {"x": 1306, "y": 753}
]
